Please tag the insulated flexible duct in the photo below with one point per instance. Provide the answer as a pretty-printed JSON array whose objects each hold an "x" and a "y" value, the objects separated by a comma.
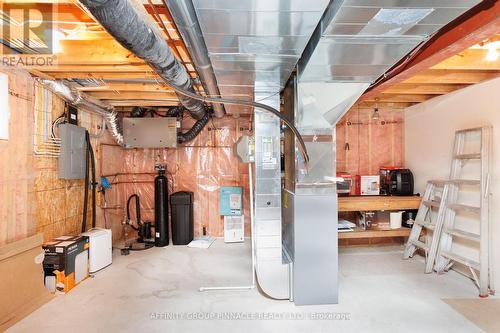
[
  {"x": 88, "y": 103},
  {"x": 129, "y": 25}
]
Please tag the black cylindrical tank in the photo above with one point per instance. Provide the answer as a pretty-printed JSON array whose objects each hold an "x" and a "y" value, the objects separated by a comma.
[{"x": 161, "y": 208}]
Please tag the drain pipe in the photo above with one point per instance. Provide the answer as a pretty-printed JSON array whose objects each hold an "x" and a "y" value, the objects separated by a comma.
[
  {"x": 185, "y": 18},
  {"x": 88, "y": 103},
  {"x": 130, "y": 25}
]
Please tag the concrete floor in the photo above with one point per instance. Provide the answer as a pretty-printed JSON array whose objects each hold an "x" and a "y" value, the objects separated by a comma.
[{"x": 379, "y": 291}]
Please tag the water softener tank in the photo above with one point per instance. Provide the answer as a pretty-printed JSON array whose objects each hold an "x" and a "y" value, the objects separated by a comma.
[{"x": 161, "y": 208}]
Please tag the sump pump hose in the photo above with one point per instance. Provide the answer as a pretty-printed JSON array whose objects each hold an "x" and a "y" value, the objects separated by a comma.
[{"x": 137, "y": 210}]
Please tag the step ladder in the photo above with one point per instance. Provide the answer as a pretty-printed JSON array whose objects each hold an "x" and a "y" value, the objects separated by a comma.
[
  {"x": 479, "y": 186},
  {"x": 435, "y": 192}
]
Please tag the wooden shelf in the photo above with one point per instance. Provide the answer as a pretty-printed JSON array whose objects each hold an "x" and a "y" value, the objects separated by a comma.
[
  {"x": 374, "y": 203},
  {"x": 356, "y": 234},
  {"x": 379, "y": 202}
]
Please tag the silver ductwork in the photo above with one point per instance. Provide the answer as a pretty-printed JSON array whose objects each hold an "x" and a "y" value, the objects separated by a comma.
[
  {"x": 184, "y": 15},
  {"x": 87, "y": 103},
  {"x": 254, "y": 45},
  {"x": 131, "y": 26}
]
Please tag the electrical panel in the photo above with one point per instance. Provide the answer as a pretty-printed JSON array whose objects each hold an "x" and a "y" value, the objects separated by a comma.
[
  {"x": 72, "y": 157},
  {"x": 231, "y": 201},
  {"x": 150, "y": 132}
]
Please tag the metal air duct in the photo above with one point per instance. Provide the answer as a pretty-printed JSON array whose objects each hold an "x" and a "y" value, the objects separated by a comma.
[
  {"x": 184, "y": 15},
  {"x": 129, "y": 24},
  {"x": 88, "y": 103}
]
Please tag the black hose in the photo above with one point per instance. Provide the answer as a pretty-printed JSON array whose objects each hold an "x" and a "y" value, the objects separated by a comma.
[
  {"x": 175, "y": 111},
  {"x": 137, "y": 210},
  {"x": 138, "y": 112},
  {"x": 89, "y": 164},
  {"x": 86, "y": 184},
  {"x": 194, "y": 131},
  {"x": 94, "y": 184}
]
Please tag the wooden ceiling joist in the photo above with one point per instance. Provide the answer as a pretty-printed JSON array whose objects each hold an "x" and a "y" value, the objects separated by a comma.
[
  {"x": 478, "y": 24},
  {"x": 446, "y": 76},
  {"x": 134, "y": 95},
  {"x": 89, "y": 52},
  {"x": 143, "y": 102},
  {"x": 400, "y": 98},
  {"x": 425, "y": 89},
  {"x": 144, "y": 87},
  {"x": 469, "y": 60}
]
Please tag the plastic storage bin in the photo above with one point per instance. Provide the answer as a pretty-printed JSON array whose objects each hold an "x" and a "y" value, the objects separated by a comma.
[{"x": 182, "y": 217}]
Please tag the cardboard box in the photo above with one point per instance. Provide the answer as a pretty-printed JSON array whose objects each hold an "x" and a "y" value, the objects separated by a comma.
[
  {"x": 21, "y": 272},
  {"x": 66, "y": 262},
  {"x": 368, "y": 185}
]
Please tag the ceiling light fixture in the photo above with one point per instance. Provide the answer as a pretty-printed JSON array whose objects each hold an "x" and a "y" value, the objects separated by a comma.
[
  {"x": 492, "y": 46},
  {"x": 492, "y": 54}
]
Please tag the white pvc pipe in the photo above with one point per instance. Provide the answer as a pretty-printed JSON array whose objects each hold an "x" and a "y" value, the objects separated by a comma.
[{"x": 252, "y": 242}]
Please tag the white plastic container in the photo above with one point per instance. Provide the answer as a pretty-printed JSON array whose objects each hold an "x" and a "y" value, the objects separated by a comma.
[
  {"x": 395, "y": 220},
  {"x": 100, "y": 251}
]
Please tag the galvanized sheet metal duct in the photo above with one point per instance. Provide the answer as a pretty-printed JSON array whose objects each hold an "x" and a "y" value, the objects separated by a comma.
[
  {"x": 185, "y": 18},
  {"x": 255, "y": 44},
  {"x": 130, "y": 25},
  {"x": 360, "y": 40}
]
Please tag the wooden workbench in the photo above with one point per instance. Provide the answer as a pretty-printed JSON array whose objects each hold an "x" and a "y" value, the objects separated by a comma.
[
  {"x": 378, "y": 202},
  {"x": 371, "y": 203}
]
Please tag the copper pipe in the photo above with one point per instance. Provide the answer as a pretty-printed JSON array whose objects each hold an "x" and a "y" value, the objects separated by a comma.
[{"x": 129, "y": 173}]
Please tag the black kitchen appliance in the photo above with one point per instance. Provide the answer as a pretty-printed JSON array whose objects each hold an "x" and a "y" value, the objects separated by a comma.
[{"x": 396, "y": 181}]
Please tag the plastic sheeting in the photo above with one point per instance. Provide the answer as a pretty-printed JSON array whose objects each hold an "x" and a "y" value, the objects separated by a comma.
[
  {"x": 365, "y": 144},
  {"x": 201, "y": 166}
]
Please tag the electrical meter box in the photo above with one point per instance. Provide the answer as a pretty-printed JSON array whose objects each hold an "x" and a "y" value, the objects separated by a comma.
[{"x": 231, "y": 201}]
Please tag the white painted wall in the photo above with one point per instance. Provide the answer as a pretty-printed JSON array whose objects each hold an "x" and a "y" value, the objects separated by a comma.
[{"x": 429, "y": 134}]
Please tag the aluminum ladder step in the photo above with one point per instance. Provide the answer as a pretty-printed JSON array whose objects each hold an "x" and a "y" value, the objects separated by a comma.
[
  {"x": 425, "y": 224},
  {"x": 473, "y": 156},
  {"x": 441, "y": 183},
  {"x": 469, "y": 130},
  {"x": 431, "y": 203},
  {"x": 465, "y": 208},
  {"x": 464, "y": 261},
  {"x": 420, "y": 244},
  {"x": 463, "y": 234}
]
